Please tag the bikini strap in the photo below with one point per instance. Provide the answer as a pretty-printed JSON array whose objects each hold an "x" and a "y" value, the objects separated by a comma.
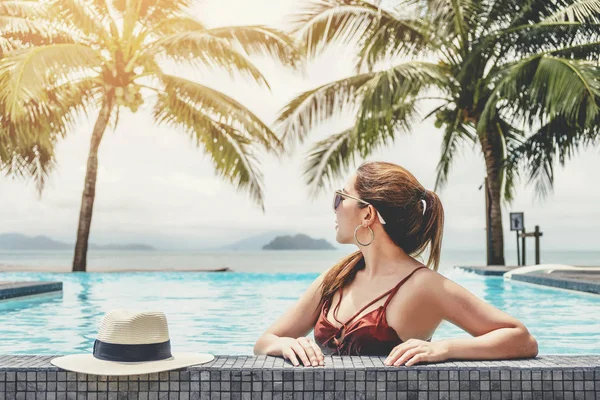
[
  {"x": 397, "y": 287},
  {"x": 390, "y": 292}
]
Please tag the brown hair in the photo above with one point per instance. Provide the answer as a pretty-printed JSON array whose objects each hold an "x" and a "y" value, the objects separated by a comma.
[{"x": 397, "y": 195}]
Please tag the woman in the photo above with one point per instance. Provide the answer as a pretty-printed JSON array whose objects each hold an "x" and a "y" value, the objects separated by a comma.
[{"x": 380, "y": 300}]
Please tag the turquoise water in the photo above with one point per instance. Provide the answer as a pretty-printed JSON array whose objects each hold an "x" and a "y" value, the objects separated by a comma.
[{"x": 225, "y": 313}]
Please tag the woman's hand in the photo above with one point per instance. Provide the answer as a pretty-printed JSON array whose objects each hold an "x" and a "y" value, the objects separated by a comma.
[
  {"x": 304, "y": 348},
  {"x": 414, "y": 351}
]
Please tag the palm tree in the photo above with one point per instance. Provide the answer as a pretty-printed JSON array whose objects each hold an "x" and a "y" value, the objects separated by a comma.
[
  {"x": 517, "y": 79},
  {"x": 27, "y": 149},
  {"x": 115, "y": 56}
]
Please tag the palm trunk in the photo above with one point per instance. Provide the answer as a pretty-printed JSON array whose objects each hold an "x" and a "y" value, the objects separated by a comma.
[
  {"x": 492, "y": 151},
  {"x": 89, "y": 191}
]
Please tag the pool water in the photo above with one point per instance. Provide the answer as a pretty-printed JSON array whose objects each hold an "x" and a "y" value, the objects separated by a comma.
[{"x": 224, "y": 313}]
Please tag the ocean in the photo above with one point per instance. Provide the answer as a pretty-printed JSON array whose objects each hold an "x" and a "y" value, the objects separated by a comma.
[{"x": 254, "y": 261}]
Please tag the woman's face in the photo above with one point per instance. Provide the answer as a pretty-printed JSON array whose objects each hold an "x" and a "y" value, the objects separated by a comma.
[{"x": 348, "y": 215}]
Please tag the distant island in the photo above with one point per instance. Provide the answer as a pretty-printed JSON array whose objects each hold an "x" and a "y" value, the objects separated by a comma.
[
  {"x": 253, "y": 243},
  {"x": 17, "y": 241},
  {"x": 298, "y": 242}
]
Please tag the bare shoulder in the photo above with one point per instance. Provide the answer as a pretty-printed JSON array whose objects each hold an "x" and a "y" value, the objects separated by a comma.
[
  {"x": 441, "y": 291},
  {"x": 426, "y": 277},
  {"x": 426, "y": 281}
]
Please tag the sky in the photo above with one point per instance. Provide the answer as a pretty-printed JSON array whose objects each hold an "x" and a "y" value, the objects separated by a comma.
[{"x": 154, "y": 186}]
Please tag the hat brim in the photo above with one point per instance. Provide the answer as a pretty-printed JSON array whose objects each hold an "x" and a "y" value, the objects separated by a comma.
[{"x": 88, "y": 364}]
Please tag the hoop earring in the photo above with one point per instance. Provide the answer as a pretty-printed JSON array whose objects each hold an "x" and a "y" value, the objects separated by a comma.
[{"x": 372, "y": 236}]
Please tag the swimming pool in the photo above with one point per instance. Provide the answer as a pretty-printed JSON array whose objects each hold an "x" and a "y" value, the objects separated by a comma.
[{"x": 224, "y": 313}]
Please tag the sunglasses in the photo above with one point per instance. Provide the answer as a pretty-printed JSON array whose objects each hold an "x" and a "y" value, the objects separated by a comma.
[{"x": 339, "y": 195}]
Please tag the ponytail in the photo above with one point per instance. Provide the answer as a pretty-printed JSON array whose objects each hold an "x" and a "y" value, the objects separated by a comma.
[{"x": 433, "y": 228}]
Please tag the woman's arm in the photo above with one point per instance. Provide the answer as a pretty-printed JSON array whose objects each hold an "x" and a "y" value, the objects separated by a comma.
[
  {"x": 496, "y": 335},
  {"x": 296, "y": 322}
]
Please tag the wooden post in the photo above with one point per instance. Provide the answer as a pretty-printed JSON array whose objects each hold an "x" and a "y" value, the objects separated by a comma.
[
  {"x": 518, "y": 253},
  {"x": 488, "y": 234},
  {"x": 537, "y": 244},
  {"x": 536, "y": 234},
  {"x": 523, "y": 236}
]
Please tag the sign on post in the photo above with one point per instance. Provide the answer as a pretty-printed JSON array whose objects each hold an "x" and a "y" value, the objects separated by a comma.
[{"x": 517, "y": 222}]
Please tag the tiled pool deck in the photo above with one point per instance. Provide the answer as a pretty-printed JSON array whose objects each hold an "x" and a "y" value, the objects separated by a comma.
[
  {"x": 9, "y": 290},
  {"x": 342, "y": 378},
  {"x": 581, "y": 281},
  {"x": 492, "y": 270}
]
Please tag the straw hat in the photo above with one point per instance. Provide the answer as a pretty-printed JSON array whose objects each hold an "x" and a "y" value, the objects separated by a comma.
[{"x": 131, "y": 343}]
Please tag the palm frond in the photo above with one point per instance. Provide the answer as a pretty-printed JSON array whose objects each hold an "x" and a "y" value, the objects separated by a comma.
[
  {"x": 42, "y": 35},
  {"x": 589, "y": 51},
  {"x": 542, "y": 87},
  {"x": 233, "y": 153},
  {"x": 107, "y": 14},
  {"x": 331, "y": 157},
  {"x": 79, "y": 16},
  {"x": 584, "y": 11},
  {"x": 455, "y": 135},
  {"x": 380, "y": 128},
  {"x": 149, "y": 64},
  {"x": 221, "y": 108},
  {"x": 149, "y": 38},
  {"x": 262, "y": 40},
  {"x": 7, "y": 46},
  {"x": 328, "y": 159},
  {"x": 143, "y": 15},
  {"x": 150, "y": 11},
  {"x": 21, "y": 8},
  {"x": 555, "y": 141},
  {"x": 175, "y": 24},
  {"x": 20, "y": 15},
  {"x": 454, "y": 19},
  {"x": 21, "y": 25},
  {"x": 512, "y": 176},
  {"x": 322, "y": 22},
  {"x": 546, "y": 37},
  {"x": 388, "y": 102},
  {"x": 376, "y": 92},
  {"x": 24, "y": 23},
  {"x": 53, "y": 118},
  {"x": 499, "y": 14},
  {"x": 567, "y": 87},
  {"x": 390, "y": 38},
  {"x": 314, "y": 106},
  {"x": 26, "y": 75},
  {"x": 66, "y": 103},
  {"x": 27, "y": 161},
  {"x": 379, "y": 32},
  {"x": 206, "y": 50},
  {"x": 523, "y": 28},
  {"x": 101, "y": 7},
  {"x": 512, "y": 138},
  {"x": 534, "y": 11},
  {"x": 27, "y": 144}
]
